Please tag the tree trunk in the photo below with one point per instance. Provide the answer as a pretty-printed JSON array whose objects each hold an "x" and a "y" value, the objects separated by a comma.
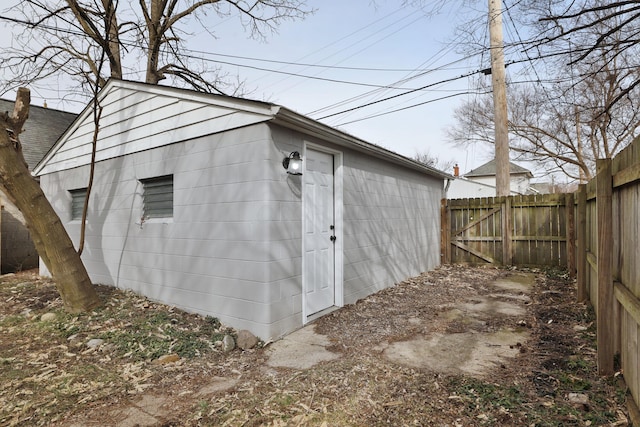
[{"x": 49, "y": 235}]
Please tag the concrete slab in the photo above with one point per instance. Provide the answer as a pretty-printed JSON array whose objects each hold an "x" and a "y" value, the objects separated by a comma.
[
  {"x": 493, "y": 305},
  {"x": 217, "y": 384},
  {"x": 466, "y": 353},
  {"x": 301, "y": 349},
  {"x": 145, "y": 412},
  {"x": 522, "y": 282},
  {"x": 471, "y": 353}
]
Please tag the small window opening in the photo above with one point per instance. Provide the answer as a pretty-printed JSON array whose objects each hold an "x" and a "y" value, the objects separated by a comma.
[
  {"x": 77, "y": 202},
  {"x": 157, "y": 197}
]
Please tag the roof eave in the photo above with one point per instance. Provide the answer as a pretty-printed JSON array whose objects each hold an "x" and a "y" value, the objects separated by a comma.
[{"x": 292, "y": 120}]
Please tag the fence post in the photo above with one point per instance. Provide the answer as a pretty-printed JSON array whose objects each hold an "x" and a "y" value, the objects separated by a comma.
[
  {"x": 1, "y": 213},
  {"x": 570, "y": 233},
  {"x": 605, "y": 318},
  {"x": 445, "y": 232},
  {"x": 507, "y": 253},
  {"x": 581, "y": 250}
]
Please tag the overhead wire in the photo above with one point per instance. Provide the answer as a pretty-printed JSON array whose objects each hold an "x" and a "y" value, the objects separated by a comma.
[
  {"x": 402, "y": 94},
  {"x": 485, "y": 37},
  {"x": 382, "y": 36},
  {"x": 405, "y": 79},
  {"x": 404, "y": 108},
  {"x": 335, "y": 42},
  {"x": 409, "y": 77},
  {"x": 379, "y": 93},
  {"x": 286, "y": 73}
]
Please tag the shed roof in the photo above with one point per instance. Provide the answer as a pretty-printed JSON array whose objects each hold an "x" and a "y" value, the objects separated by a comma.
[
  {"x": 41, "y": 130},
  {"x": 114, "y": 93},
  {"x": 489, "y": 169}
]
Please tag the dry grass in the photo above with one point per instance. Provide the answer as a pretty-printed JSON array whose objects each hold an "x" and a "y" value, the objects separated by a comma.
[{"x": 49, "y": 376}]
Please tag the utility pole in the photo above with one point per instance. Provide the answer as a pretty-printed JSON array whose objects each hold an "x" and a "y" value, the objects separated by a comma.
[{"x": 498, "y": 81}]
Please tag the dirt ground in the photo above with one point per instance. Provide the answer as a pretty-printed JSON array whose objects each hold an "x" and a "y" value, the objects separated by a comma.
[{"x": 458, "y": 346}]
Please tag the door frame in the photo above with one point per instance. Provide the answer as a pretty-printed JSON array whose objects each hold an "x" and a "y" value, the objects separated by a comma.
[{"x": 338, "y": 223}]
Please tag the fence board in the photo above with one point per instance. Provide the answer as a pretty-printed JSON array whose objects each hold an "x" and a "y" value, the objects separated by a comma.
[
  {"x": 606, "y": 327},
  {"x": 611, "y": 253},
  {"x": 570, "y": 231},
  {"x": 523, "y": 230},
  {"x": 581, "y": 247}
]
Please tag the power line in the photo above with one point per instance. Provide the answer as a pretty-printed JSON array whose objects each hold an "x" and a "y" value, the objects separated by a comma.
[
  {"x": 408, "y": 107},
  {"x": 401, "y": 94},
  {"x": 302, "y": 64},
  {"x": 307, "y": 76},
  {"x": 385, "y": 36},
  {"x": 379, "y": 87},
  {"x": 469, "y": 74},
  {"x": 131, "y": 44},
  {"x": 402, "y": 81}
]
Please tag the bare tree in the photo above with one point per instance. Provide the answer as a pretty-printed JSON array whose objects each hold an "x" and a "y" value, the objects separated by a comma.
[
  {"x": 49, "y": 235},
  {"x": 73, "y": 39},
  {"x": 564, "y": 126},
  {"x": 581, "y": 106},
  {"x": 67, "y": 38},
  {"x": 593, "y": 33},
  {"x": 432, "y": 160}
]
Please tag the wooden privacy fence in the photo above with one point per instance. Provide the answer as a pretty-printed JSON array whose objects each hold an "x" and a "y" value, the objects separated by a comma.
[
  {"x": 515, "y": 230},
  {"x": 608, "y": 260},
  {"x": 595, "y": 232}
]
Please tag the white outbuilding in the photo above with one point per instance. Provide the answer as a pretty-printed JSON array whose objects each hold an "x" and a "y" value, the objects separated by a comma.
[{"x": 191, "y": 205}]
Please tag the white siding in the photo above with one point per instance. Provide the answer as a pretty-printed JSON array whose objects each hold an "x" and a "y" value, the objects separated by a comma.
[
  {"x": 233, "y": 248},
  {"x": 134, "y": 120},
  {"x": 391, "y": 219},
  {"x": 462, "y": 188},
  {"x": 485, "y": 186},
  {"x": 391, "y": 225},
  {"x": 227, "y": 251}
]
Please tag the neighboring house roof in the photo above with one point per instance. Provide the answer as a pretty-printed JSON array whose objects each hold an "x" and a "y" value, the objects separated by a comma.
[
  {"x": 41, "y": 130},
  {"x": 489, "y": 169},
  {"x": 226, "y": 113}
]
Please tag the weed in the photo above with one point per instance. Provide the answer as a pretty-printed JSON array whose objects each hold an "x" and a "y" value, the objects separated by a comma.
[
  {"x": 12, "y": 320},
  {"x": 213, "y": 322},
  {"x": 577, "y": 364},
  {"x": 556, "y": 273},
  {"x": 483, "y": 396},
  {"x": 284, "y": 400},
  {"x": 571, "y": 382},
  {"x": 203, "y": 406}
]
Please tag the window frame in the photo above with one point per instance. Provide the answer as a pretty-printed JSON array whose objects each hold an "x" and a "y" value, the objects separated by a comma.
[
  {"x": 78, "y": 196},
  {"x": 157, "y": 194}
]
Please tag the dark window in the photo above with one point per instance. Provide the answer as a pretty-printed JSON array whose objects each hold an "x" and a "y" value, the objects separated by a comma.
[
  {"x": 157, "y": 197},
  {"x": 77, "y": 202}
]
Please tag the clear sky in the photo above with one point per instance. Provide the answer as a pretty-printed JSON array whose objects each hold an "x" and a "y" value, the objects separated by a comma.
[
  {"x": 370, "y": 46},
  {"x": 348, "y": 54}
]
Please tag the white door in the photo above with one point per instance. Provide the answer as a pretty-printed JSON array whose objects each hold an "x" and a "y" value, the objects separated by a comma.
[{"x": 319, "y": 232}]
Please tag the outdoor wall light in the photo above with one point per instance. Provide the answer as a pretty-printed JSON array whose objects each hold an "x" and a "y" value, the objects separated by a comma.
[{"x": 293, "y": 163}]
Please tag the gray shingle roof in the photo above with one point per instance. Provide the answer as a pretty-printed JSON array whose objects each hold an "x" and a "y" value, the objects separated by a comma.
[
  {"x": 489, "y": 169},
  {"x": 41, "y": 130}
]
